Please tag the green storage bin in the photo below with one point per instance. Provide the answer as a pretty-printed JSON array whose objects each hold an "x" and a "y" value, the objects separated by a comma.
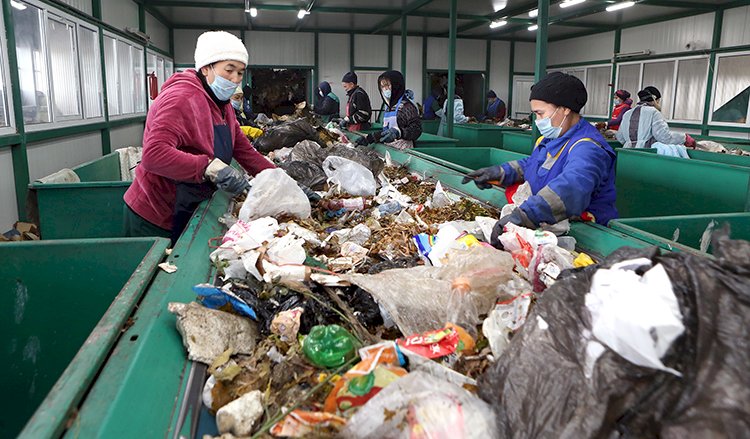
[
  {"x": 467, "y": 159},
  {"x": 92, "y": 208},
  {"x": 654, "y": 185},
  {"x": 426, "y": 140},
  {"x": 729, "y": 159},
  {"x": 64, "y": 304},
  {"x": 480, "y": 134},
  {"x": 430, "y": 126},
  {"x": 518, "y": 141},
  {"x": 682, "y": 233}
]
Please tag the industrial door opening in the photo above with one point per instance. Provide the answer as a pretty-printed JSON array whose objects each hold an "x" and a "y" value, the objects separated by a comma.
[
  {"x": 472, "y": 84},
  {"x": 278, "y": 91}
]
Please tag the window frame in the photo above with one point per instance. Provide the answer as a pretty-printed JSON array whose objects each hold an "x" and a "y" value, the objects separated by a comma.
[
  {"x": 713, "y": 93},
  {"x": 585, "y": 78},
  {"x": 100, "y": 57},
  {"x": 8, "y": 88},
  {"x": 131, "y": 45}
]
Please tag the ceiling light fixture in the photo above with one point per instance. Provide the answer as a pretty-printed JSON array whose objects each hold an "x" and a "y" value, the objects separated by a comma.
[
  {"x": 18, "y": 5},
  {"x": 533, "y": 13},
  {"x": 496, "y": 24},
  {"x": 301, "y": 14},
  {"x": 568, "y": 3},
  {"x": 533, "y": 27},
  {"x": 253, "y": 12},
  {"x": 618, "y": 6}
]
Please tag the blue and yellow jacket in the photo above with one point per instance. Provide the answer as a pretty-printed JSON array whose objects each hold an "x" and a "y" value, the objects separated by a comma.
[{"x": 569, "y": 176}]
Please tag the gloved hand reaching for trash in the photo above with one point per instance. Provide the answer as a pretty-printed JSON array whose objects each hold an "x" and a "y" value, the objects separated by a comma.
[
  {"x": 365, "y": 140},
  {"x": 226, "y": 178},
  {"x": 689, "y": 141},
  {"x": 343, "y": 123},
  {"x": 389, "y": 135},
  {"x": 484, "y": 178},
  {"x": 517, "y": 217}
]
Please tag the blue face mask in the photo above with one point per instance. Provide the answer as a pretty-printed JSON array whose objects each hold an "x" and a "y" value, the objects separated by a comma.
[
  {"x": 222, "y": 87},
  {"x": 546, "y": 129},
  {"x": 387, "y": 94},
  {"x": 236, "y": 105}
]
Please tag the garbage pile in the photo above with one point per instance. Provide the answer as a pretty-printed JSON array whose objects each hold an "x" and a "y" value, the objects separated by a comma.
[
  {"x": 711, "y": 146},
  {"x": 21, "y": 231},
  {"x": 381, "y": 311},
  {"x": 515, "y": 123}
]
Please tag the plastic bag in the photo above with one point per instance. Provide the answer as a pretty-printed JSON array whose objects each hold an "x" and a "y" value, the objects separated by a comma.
[
  {"x": 306, "y": 173},
  {"x": 478, "y": 270},
  {"x": 274, "y": 193},
  {"x": 353, "y": 178},
  {"x": 285, "y": 135},
  {"x": 130, "y": 157},
  {"x": 422, "y": 406},
  {"x": 308, "y": 151},
  {"x": 364, "y": 156},
  {"x": 574, "y": 399}
]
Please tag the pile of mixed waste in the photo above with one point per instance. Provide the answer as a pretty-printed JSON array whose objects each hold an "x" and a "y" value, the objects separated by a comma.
[{"x": 372, "y": 312}]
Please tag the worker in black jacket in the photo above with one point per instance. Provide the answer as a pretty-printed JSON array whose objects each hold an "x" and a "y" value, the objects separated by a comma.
[
  {"x": 401, "y": 122},
  {"x": 328, "y": 103},
  {"x": 358, "y": 108}
]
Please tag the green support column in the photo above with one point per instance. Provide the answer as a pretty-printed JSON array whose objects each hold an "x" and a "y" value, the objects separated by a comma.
[
  {"x": 540, "y": 60},
  {"x": 316, "y": 72},
  {"x": 390, "y": 52},
  {"x": 351, "y": 52},
  {"x": 487, "y": 67},
  {"x": 141, "y": 18},
  {"x": 426, "y": 85},
  {"x": 715, "y": 42},
  {"x": 96, "y": 9},
  {"x": 106, "y": 138},
  {"x": 618, "y": 36},
  {"x": 18, "y": 151},
  {"x": 403, "y": 46},
  {"x": 451, "y": 69},
  {"x": 511, "y": 65}
]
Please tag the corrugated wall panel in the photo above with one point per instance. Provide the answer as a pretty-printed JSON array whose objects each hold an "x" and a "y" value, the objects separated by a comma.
[
  {"x": 81, "y": 5},
  {"x": 281, "y": 48},
  {"x": 333, "y": 62},
  {"x": 414, "y": 79},
  {"x": 437, "y": 53},
  {"x": 184, "y": 45},
  {"x": 524, "y": 57},
  {"x": 120, "y": 13},
  {"x": 8, "y": 208},
  {"x": 469, "y": 54},
  {"x": 52, "y": 155},
  {"x": 130, "y": 135},
  {"x": 499, "y": 69},
  {"x": 370, "y": 50},
  {"x": 735, "y": 30},
  {"x": 582, "y": 49},
  {"x": 670, "y": 36},
  {"x": 158, "y": 32}
]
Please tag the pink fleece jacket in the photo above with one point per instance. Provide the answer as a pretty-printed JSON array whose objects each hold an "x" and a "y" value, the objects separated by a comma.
[{"x": 178, "y": 144}]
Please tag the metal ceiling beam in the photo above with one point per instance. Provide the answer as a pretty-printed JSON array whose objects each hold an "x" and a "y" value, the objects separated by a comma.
[{"x": 411, "y": 7}]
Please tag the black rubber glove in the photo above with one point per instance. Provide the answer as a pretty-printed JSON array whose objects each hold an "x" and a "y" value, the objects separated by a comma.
[
  {"x": 227, "y": 178},
  {"x": 517, "y": 217},
  {"x": 481, "y": 177},
  {"x": 364, "y": 140},
  {"x": 312, "y": 196}
]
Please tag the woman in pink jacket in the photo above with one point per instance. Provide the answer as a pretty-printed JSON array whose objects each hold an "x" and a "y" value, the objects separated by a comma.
[{"x": 190, "y": 139}]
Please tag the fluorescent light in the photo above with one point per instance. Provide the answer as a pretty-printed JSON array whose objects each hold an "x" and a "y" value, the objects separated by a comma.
[
  {"x": 253, "y": 12},
  {"x": 533, "y": 13},
  {"x": 618, "y": 6},
  {"x": 18, "y": 5},
  {"x": 496, "y": 24},
  {"x": 568, "y": 3},
  {"x": 301, "y": 14},
  {"x": 533, "y": 27}
]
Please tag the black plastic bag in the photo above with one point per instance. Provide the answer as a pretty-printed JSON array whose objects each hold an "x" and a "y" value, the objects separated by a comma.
[
  {"x": 539, "y": 388},
  {"x": 306, "y": 173},
  {"x": 285, "y": 135}
]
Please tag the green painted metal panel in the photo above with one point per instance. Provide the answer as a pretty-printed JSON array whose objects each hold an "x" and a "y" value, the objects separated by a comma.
[
  {"x": 430, "y": 126},
  {"x": 726, "y": 140},
  {"x": 682, "y": 233},
  {"x": 138, "y": 391},
  {"x": 63, "y": 306},
  {"x": 92, "y": 208},
  {"x": 467, "y": 159},
  {"x": 480, "y": 134},
  {"x": 730, "y": 159},
  {"x": 655, "y": 185},
  {"x": 426, "y": 140},
  {"x": 518, "y": 141}
]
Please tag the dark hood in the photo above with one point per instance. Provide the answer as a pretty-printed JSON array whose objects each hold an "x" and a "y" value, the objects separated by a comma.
[
  {"x": 397, "y": 86},
  {"x": 325, "y": 87}
]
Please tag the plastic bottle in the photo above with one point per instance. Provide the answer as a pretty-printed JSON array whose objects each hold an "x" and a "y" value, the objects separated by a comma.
[
  {"x": 329, "y": 346},
  {"x": 389, "y": 208},
  {"x": 349, "y": 204}
]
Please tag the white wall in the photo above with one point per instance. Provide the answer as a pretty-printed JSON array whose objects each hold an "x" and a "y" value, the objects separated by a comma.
[
  {"x": 333, "y": 62},
  {"x": 158, "y": 32},
  {"x": 280, "y": 48},
  {"x": 670, "y": 36},
  {"x": 581, "y": 49},
  {"x": 370, "y": 50},
  {"x": 499, "y": 69},
  {"x": 184, "y": 45},
  {"x": 129, "y": 135},
  {"x": 735, "y": 30},
  {"x": 81, "y": 5},
  {"x": 120, "y": 13},
  {"x": 8, "y": 208},
  {"x": 414, "y": 78},
  {"x": 52, "y": 155},
  {"x": 524, "y": 57},
  {"x": 470, "y": 54}
]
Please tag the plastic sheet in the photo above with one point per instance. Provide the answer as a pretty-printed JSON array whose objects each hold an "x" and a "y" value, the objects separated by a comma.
[
  {"x": 418, "y": 298},
  {"x": 612, "y": 397},
  {"x": 352, "y": 177},
  {"x": 285, "y": 135},
  {"x": 274, "y": 193}
]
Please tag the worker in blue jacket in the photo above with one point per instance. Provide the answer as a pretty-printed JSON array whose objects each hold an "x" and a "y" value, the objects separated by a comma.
[
  {"x": 571, "y": 170},
  {"x": 495, "y": 107}
]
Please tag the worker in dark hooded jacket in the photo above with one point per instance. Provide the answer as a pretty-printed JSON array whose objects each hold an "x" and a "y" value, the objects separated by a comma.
[
  {"x": 571, "y": 170},
  {"x": 328, "y": 103},
  {"x": 358, "y": 108},
  {"x": 401, "y": 122}
]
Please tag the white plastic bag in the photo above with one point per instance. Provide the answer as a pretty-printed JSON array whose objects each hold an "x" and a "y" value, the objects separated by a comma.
[
  {"x": 352, "y": 177},
  {"x": 274, "y": 193}
]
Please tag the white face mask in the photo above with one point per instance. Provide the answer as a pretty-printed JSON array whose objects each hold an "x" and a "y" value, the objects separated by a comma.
[{"x": 618, "y": 101}]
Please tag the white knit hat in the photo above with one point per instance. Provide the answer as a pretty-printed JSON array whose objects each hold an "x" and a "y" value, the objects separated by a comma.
[{"x": 218, "y": 46}]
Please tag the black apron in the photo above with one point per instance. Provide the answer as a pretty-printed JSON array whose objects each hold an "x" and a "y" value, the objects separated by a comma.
[{"x": 189, "y": 195}]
